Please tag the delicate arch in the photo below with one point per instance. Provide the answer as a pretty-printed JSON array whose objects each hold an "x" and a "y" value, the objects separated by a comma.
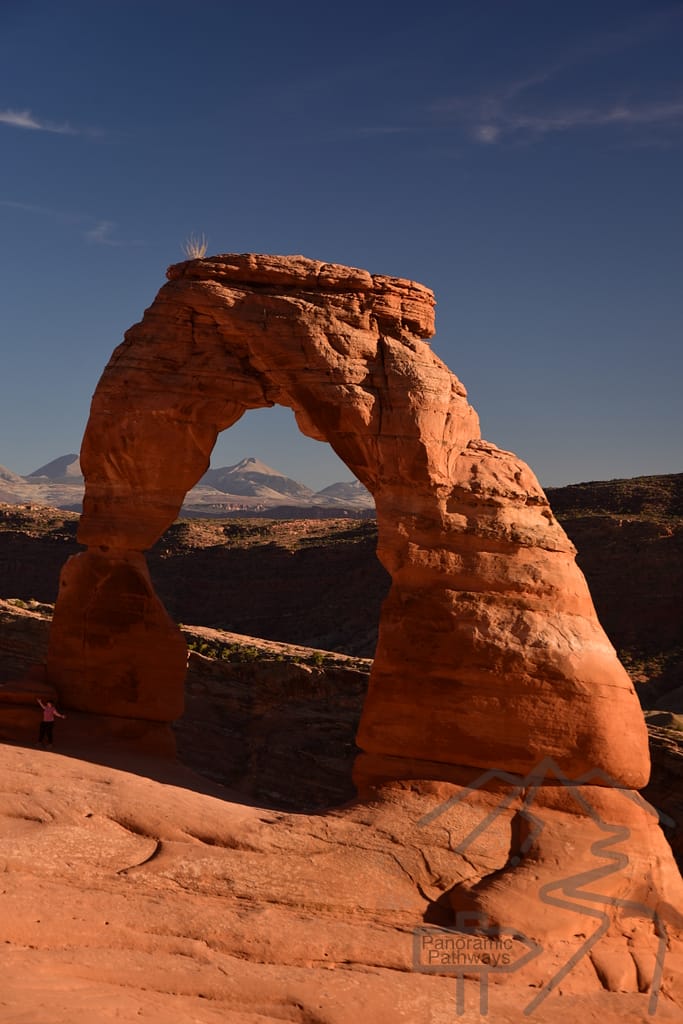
[{"x": 489, "y": 649}]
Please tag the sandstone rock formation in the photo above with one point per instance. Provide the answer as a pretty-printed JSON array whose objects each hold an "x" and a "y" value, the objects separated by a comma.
[
  {"x": 490, "y": 655},
  {"x": 158, "y": 898},
  {"x": 488, "y": 619},
  {"x": 196, "y": 908},
  {"x": 275, "y": 722}
]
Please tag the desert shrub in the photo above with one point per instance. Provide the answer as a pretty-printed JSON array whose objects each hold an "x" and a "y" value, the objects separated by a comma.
[
  {"x": 195, "y": 248},
  {"x": 249, "y": 653}
]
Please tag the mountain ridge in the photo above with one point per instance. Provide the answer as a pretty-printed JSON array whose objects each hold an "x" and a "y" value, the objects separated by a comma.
[
  {"x": 252, "y": 486},
  {"x": 63, "y": 468},
  {"x": 8, "y": 476},
  {"x": 252, "y": 478},
  {"x": 249, "y": 485}
]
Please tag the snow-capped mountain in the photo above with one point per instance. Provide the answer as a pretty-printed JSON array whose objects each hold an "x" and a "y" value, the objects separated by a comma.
[
  {"x": 248, "y": 486},
  {"x": 7, "y": 476},
  {"x": 252, "y": 478},
  {"x": 64, "y": 470}
]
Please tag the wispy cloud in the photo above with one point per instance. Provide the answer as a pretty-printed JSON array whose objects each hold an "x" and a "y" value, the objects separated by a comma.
[
  {"x": 599, "y": 46},
  {"x": 25, "y": 119},
  {"x": 96, "y": 232},
  {"x": 103, "y": 232},
  {"x": 493, "y": 118},
  {"x": 523, "y": 107},
  {"x": 663, "y": 113},
  {"x": 61, "y": 216},
  {"x": 487, "y": 133}
]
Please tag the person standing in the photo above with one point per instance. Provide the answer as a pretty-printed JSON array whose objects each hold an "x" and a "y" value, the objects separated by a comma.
[{"x": 47, "y": 725}]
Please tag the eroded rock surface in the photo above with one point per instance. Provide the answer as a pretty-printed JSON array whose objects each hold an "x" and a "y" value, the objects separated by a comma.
[
  {"x": 125, "y": 897},
  {"x": 488, "y": 620},
  {"x": 128, "y": 897},
  {"x": 490, "y": 654}
]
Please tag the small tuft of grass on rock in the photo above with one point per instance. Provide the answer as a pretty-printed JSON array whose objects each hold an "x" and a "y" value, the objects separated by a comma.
[{"x": 195, "y": 248}]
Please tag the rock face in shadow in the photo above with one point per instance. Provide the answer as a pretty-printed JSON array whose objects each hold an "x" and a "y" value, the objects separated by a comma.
[
  {"x": 275, "y": 722},
  {"x": 23, "y": 638},
  {"x": 310, "y": 582},
  {"x": 488, "y": 621},
  {"x": 629, "y": 535},
  {"x": 319, "y": 583}
]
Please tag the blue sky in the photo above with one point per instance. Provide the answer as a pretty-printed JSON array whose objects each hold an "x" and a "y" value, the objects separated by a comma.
[{"x": 524, "y": 159}]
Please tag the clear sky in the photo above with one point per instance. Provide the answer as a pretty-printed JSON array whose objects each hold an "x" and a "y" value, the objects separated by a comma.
[{"x": 524, "y": 159}]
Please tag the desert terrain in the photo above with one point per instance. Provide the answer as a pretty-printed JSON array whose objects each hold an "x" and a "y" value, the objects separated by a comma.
[{"x": 243, "y": 882}]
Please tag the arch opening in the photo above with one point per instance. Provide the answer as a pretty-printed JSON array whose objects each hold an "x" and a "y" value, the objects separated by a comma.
[{"x": 263, "y": 554}]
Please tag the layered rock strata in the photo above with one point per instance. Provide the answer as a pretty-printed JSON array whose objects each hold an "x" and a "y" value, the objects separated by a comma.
[
  {"x": 489, "y": 649},
  {"x": 490, "y": 656}
]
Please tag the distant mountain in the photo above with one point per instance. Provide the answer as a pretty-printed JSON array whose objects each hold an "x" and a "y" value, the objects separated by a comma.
[
  {"x": 64, "y": 470},
  {"x": 7, "y": 476},
  {"x": 248, "y": 487},
  {"x": 347, "y": 491},
  {"x": 252, "y": 478}
]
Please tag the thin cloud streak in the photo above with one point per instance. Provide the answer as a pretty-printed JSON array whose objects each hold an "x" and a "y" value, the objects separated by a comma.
[
  {"x": 489, "y": 118},
  {"x": 645, "y": 114},
  {"x": 100, "y": 232},
  {"x": 603, "y": 45},
  {"x": 516, "y": 107},
  {"x": 25, "y": 119},
  {"x": 43, "y": 211}
]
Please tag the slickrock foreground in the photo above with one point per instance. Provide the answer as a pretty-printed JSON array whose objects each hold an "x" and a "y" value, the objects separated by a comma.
[
  {"x": 493, "y": 687},
  {"x": 125, "y": 898},
  {"x": 76, "y": 938}
]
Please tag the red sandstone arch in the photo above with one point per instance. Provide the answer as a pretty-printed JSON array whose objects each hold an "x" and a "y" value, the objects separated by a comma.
[{"x": 489, "y": 654}]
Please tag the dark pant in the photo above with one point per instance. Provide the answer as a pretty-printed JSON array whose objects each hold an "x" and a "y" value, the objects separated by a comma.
[{"x": 46, "y": 732}]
